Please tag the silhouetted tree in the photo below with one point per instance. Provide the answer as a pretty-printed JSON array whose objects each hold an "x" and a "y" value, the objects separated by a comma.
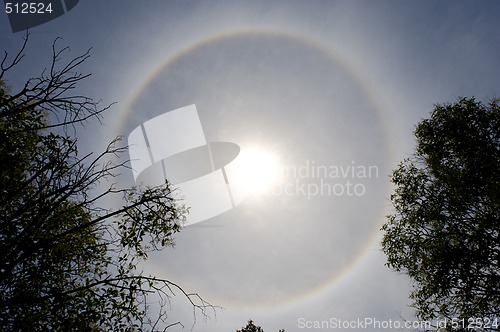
[
  {"x": 445, "y": 231},
  {"x": 68, "y": 262},
  {"x": 251, "y": 327}
]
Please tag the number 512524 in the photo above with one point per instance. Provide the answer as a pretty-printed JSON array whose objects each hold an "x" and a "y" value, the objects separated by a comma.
[{"x": 28, "y": 8}]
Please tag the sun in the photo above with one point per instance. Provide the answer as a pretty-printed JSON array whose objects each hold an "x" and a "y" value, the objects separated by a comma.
[{"x": 257, "y": 171}]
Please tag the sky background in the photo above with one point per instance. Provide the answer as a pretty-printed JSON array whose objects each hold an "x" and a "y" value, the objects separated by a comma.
[{"x": 325, "y": 83}]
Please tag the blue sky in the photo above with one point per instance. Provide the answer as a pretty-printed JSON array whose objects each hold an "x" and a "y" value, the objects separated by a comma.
[{"x": 325, "y": 83}]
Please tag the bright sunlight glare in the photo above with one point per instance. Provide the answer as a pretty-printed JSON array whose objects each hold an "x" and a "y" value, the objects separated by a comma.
[{"x": 258, "y": 170}]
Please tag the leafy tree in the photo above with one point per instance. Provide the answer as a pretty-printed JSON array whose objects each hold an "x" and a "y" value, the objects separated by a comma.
[
  {"x": 69, "y": 263},
  {"x": 251, "y": 327},
  {"x": 445, "y": 231}
]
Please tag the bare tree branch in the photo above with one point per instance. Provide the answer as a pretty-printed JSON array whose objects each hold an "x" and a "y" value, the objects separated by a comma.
[{"x": 65, "y": 253}]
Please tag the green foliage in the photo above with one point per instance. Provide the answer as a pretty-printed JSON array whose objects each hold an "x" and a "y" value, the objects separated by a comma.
[
  {"x": 445, "y": 231},
  {"x": 68, "y": 263}
]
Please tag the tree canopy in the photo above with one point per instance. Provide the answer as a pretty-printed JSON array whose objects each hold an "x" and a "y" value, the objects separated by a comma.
[
  {"x": 251, "y": 327},
  {"x": 445, "y": 229},
  {"x": 69, "y": 262}
]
